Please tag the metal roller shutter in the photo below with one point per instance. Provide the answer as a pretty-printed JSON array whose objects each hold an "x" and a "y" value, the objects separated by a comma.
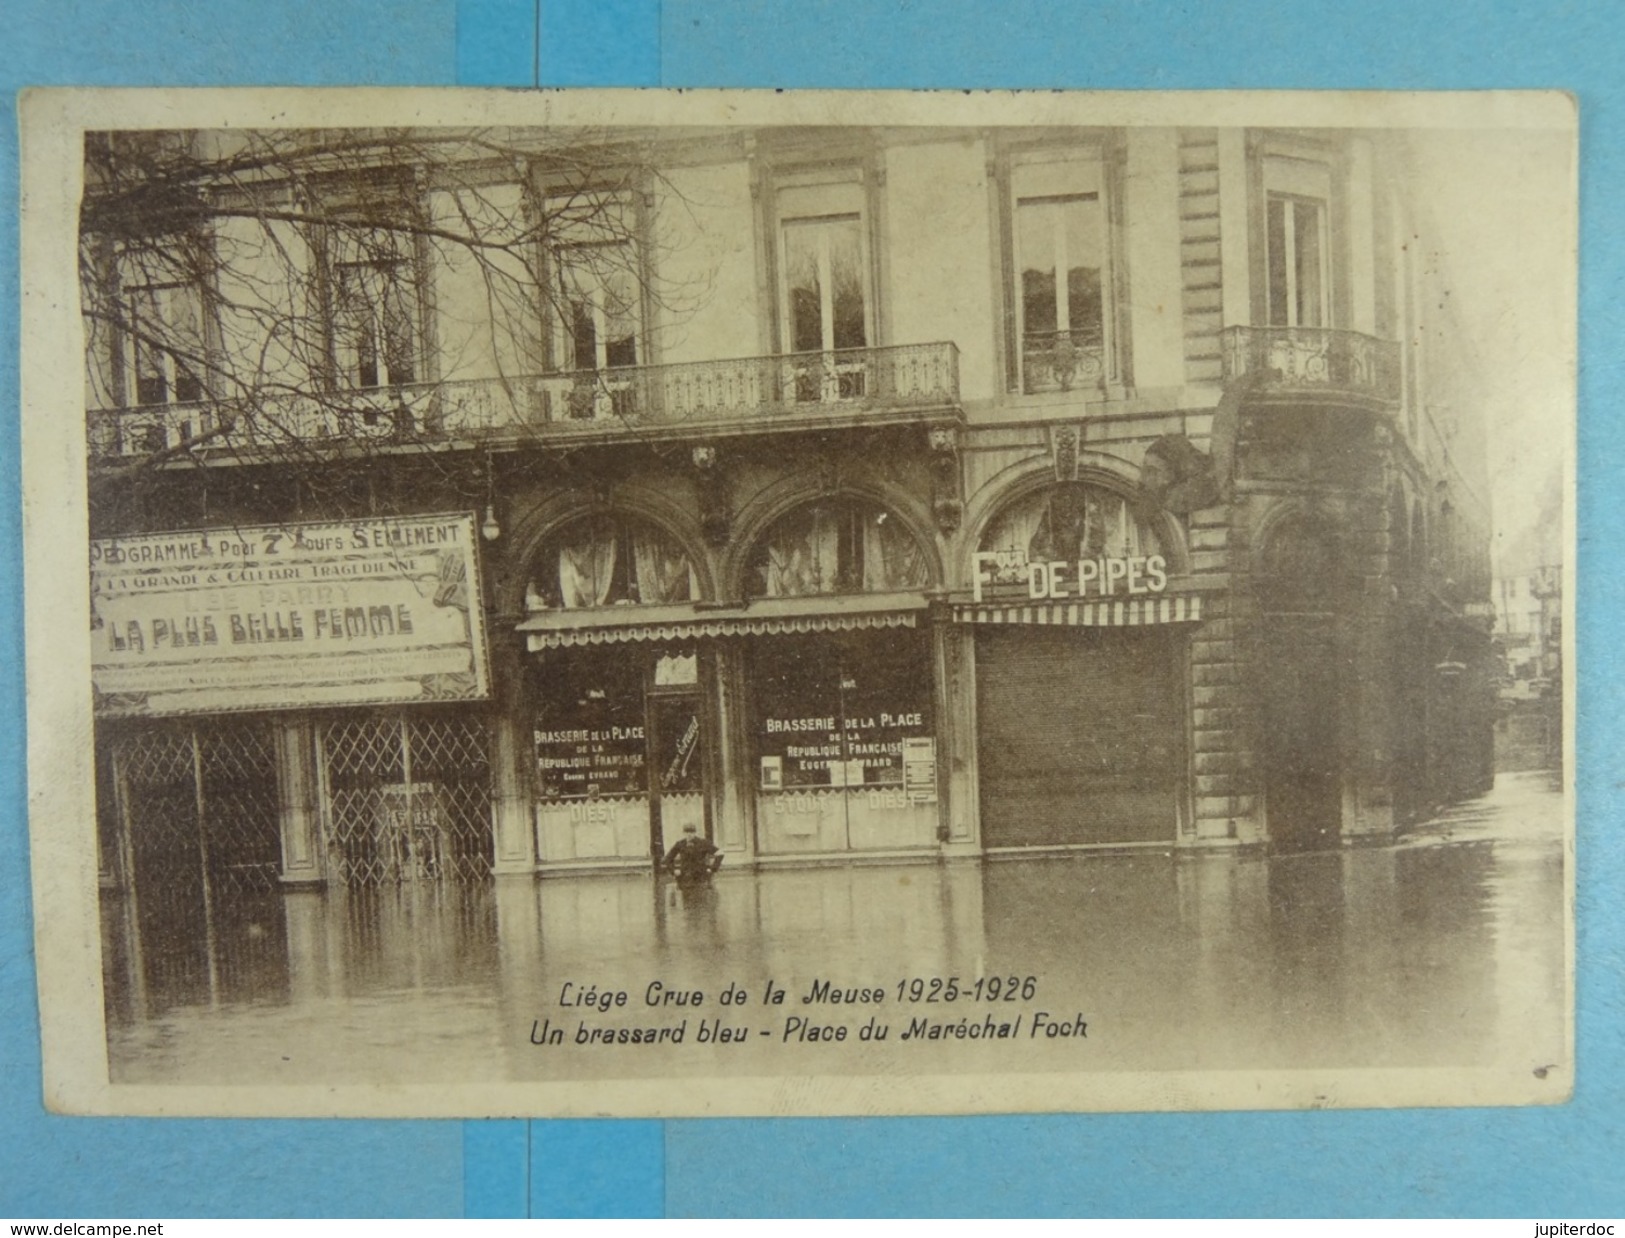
[{"x": 1081, "y": 736}]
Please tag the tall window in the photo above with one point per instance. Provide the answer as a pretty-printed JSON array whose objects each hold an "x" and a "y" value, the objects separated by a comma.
[
  {"x": 598, "y": 299},
  {"x": 1061, "y": 261},
  {"x": 166, "y": 343},
  {"x": 597, "y": 282},
  {"x": 827, "y": 301},
  {"x": 1297, "y": 192},
  {"x": 595, "y": 287},
  {"x": 375, "y": 329}
]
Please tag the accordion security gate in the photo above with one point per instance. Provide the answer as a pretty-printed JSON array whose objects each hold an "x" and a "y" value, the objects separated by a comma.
[
  {"x": 406, "y": 799},
  {"x": 198, "y": 802}
]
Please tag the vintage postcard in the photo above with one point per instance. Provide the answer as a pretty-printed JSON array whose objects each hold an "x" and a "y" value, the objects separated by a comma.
[{"x": 669, "y": 603}]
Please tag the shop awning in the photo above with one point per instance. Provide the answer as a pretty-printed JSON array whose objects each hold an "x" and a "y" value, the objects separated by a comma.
[
  {"x": 1117, "y": 613},
  {"x": 686, "y": 621}
]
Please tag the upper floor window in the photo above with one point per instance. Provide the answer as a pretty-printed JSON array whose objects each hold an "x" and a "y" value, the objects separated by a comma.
[
  {"x": 165, "y": 350},
  {"x": 1297, "y": 193},
  {"x": 826, "y": 296},
  {"x": 825, "y": 284},
  {"x": 374, "y": 304},
  {"x": 597, "y": 296},
  {"x": 1062, "y": 271}
]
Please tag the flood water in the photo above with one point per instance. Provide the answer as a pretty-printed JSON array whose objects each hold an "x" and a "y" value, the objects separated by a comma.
[{"x": 1443, "y": 948}]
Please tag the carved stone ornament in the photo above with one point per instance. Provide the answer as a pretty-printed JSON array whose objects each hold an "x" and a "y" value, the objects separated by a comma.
[
  {"x": 947, "y": 482},
  {"x": 711, "y": 484},
  {"x": 1065, "y": 445}
]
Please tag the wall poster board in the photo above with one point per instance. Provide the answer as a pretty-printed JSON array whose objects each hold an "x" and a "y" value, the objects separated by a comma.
[{"x": 285, "y": 616}]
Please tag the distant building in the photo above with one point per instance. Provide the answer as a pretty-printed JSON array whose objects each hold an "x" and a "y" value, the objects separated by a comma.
[
  {"x": 1529, "y": 643},
  {"x": 848, "y": 493}
]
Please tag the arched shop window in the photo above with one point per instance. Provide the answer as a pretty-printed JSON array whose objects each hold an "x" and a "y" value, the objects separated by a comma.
[
  {"x": 836, "y": 546},
  {"x": 845, "y": 739},
  {"x": 1070, "y": 521},
  {"x": 610, "y": 561}
]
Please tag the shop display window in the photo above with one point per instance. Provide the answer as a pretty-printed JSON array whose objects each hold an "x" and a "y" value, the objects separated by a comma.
[
  {"x": 589, "y": 732},
  {"x": 837, "y": 709}
]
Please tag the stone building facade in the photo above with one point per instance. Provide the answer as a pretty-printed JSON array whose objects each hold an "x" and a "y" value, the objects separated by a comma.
[{"x": 846, "y": 493}]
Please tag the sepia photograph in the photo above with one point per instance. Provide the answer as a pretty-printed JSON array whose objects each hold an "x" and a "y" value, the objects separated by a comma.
[{"x": 680, "y": 603}]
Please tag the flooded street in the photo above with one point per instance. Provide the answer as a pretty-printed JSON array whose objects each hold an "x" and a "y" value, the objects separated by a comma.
[{"x": 1442, "y": 948}]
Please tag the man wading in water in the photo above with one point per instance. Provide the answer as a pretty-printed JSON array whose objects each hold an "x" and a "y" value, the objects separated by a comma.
[{"x": 692, "y": 859}]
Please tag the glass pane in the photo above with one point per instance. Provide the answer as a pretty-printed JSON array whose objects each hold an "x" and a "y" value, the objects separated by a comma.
[
  {"x": 1311, "y": 296},
  {"x": 147, "y": 322},
  {"x": 801, "y": 555},
  {"x": 1085, "y": 251},
  {"x": 1071, "y": 521},
  {"x": 151, "y": 389},
  {"x": 892, "y": 559},
  {"x": 1035, "y": 244},
  {"x": 184, "y": 307},
  {"x": 590, "y": 570},
  {"x": 355, "y": 330},
  {"x": 660, "y": 570},
  {"x": 599, "y": 297},
  {"x": 583, "y": 336},
  {"x": 620, "y": 318},
  {"x": 398, "y": 333},
  {"x": 798, "y": 713},
  {"x": 846, "y": 274},
  {"x": 1276, "y": 249},
  {"x": 187, "y": 386},
  {"x": 806, "y": 293},
  {"x": 678, "y": 751},
  {"x": 589, "y": 730},
  {"x": 885, "y": 698}
]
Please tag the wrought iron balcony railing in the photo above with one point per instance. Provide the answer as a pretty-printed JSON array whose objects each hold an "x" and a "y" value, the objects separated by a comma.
[
  {"x": 741, "y": 391},
  {"x": 1313, "y": 360},
  {"x": 1072, "y": 360}
]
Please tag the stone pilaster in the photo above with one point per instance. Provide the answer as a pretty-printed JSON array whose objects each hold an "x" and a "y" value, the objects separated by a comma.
[
  {"x": 299, "y": 814},
  {"x": 513, "y": 849},
  {"x": 953, "y": 656}
]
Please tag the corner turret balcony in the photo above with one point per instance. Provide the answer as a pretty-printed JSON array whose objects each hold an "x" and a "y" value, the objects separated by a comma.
[
  {"x": 751, "y": 395},
  {"x": 1313, "y": 364}
]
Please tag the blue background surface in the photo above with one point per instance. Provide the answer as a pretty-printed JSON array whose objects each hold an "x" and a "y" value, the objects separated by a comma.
[{"x": 1562, "y": 1161}]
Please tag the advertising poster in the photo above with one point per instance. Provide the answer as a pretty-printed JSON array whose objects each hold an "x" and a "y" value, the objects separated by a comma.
[{"x": 283, "y": 616}]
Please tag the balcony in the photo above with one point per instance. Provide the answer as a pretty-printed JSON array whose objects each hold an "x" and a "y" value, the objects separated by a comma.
[
  {"x": 1072, "y": 360},
  {"x": 739, "y": 396},
  {"x": 1313, "y": 363}
]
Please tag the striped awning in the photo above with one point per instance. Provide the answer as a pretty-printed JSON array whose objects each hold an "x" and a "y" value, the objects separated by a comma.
[
  {"x": 1112, "y": 613},
  {"x": 669, "y": 624}
]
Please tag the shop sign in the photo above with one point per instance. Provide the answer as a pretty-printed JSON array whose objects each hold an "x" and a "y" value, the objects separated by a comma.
[
  {"x": 590, "y": 762},
  {"x": 287, "y": 616},
  {"x": 1008, "y": 576},
  {"x": 862, "y": 749}
]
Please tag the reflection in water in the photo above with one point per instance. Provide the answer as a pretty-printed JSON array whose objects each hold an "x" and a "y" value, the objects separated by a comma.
[{"x": 1443, "y": 949}]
